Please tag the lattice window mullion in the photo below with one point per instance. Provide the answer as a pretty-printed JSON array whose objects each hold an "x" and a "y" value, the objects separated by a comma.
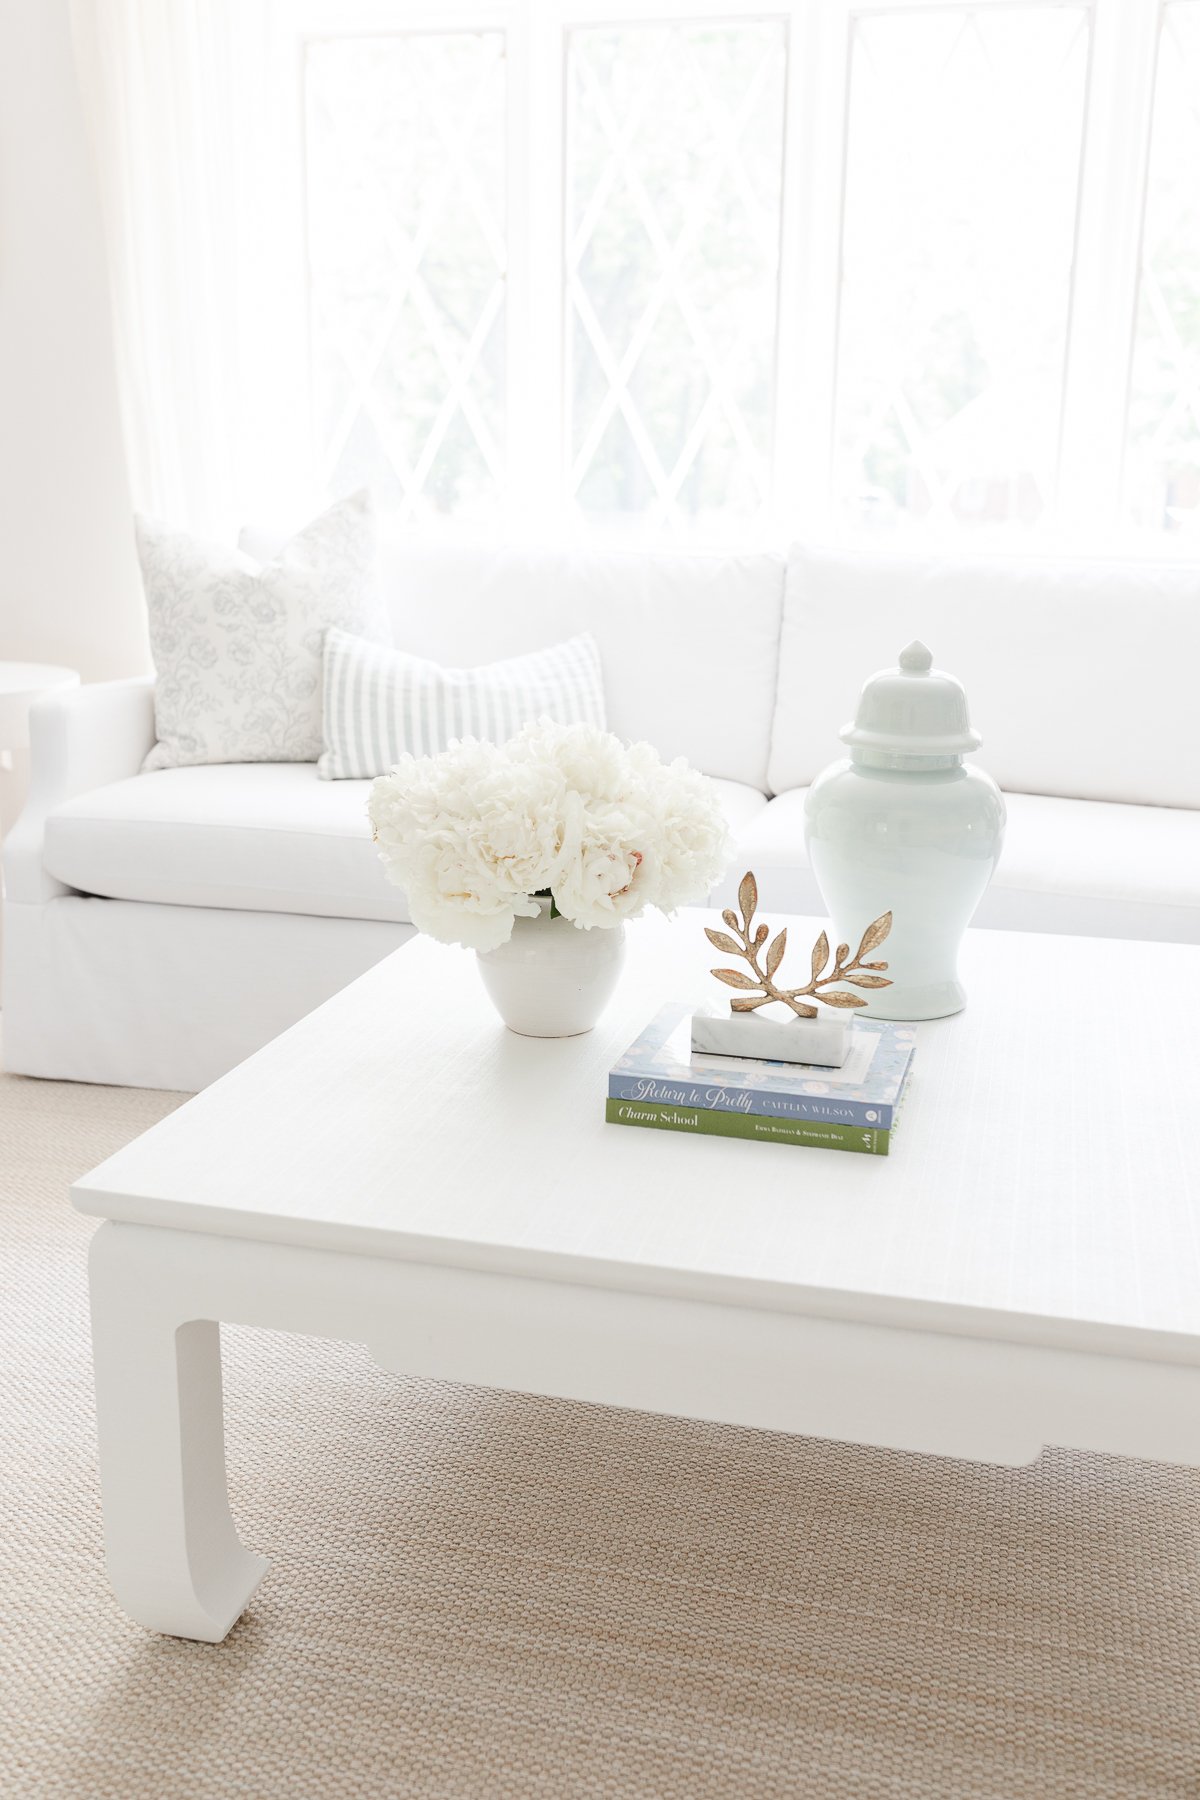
[
  {"x": 674, "y": 346},
  {"x": 407, "y": 250}
]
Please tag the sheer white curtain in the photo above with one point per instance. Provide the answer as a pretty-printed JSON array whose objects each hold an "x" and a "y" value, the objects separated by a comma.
[{"x": 195, "y": 213}]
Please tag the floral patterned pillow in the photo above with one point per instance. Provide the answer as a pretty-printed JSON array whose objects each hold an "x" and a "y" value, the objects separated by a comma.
[{"x": 237, "y": 646}]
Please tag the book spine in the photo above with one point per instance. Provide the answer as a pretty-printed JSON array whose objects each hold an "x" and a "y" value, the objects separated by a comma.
[
  {"x": 820, "y": 1134},
  {"x": 741, "y": 1102}
]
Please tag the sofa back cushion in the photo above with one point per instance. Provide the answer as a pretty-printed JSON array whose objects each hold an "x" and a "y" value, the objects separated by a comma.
[
  {"x": 689, "y": 644},
  {"x": 1080, "y": 674}
]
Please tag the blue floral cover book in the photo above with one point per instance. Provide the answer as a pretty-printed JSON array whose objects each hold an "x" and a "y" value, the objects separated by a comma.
[{"x": 660, "y": 1066}]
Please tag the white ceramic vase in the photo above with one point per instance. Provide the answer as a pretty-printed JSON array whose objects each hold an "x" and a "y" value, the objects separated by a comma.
[
  {"x": 902, "y": 825},
  {"x": 551, "y": 979}
]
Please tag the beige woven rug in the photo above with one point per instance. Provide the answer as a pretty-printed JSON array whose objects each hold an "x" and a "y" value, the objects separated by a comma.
[{"x": 475, "y": 1594}]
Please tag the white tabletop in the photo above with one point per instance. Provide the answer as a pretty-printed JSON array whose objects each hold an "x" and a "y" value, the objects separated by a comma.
[{"x": 1042, "y": 1183}]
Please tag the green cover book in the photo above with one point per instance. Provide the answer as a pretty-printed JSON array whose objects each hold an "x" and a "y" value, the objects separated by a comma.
[{"x": 867, "y": 1140}]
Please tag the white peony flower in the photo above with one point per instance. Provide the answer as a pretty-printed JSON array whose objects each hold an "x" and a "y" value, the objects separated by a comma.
[
  {"x": 451, "y": 894},
  {"x": 688, "y": 826},
  {"x": 610, "y": 875},
  {"x": 526, "y": 825},
  {"x": 592, "y": 762},
  {"x": 473, "y": 834}
]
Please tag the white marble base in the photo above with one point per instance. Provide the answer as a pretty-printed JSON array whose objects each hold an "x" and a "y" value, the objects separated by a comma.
[{"x": 823, "y": 1042}]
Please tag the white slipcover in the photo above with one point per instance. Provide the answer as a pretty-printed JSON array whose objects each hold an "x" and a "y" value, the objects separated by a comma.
[
  {"x": 258, "y": 837},
  {"x": 159, "y": 927},
  {"x": 1082, "y": 866},
  {"x": 137, "y": 995},
  {"x": 689, "y": 644},
  {"x": 1080, "y": 674}
]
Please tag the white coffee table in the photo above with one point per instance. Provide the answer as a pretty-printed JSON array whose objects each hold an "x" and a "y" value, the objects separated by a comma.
[{"x": 400, "y": 1171}]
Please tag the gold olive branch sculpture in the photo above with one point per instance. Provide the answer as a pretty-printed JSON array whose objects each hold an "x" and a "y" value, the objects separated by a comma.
[{"x": 749, "y": 947}]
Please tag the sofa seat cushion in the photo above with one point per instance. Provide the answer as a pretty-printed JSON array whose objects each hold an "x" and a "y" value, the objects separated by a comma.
[
  {"x": 1098, "y": 869},
  {"x": 258, "y": 837},
  {"x": 1089, "y": 867}
]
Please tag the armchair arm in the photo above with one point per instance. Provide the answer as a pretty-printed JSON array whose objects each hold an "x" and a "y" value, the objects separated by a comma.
[{"x": 81, "y": 739}]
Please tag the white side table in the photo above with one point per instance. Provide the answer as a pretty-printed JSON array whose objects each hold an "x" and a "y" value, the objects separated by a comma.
[{"x": 21, "y": 683}]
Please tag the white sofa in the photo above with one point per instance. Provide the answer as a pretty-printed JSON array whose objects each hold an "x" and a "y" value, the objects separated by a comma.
[{"x": 158, "y": 928}]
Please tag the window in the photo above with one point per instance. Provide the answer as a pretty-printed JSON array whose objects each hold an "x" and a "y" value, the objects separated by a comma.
[
  {"x": 404, "y": 192},
  {"x": 674, "y": 148},
  {"x": 964, "y": 136},
  {"x": 1163, "y": 458},
  {"x": 740, "y": 272}
]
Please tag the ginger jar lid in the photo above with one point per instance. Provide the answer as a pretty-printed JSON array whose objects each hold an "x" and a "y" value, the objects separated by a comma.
[{"x": 912, "y": 710}]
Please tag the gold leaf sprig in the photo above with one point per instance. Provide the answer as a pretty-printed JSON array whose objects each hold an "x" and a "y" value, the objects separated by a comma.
[{"x": 749, "y": 939}]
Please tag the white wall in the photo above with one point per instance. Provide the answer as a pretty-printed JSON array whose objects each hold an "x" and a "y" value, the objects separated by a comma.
[{"x": 69, "y": 587}]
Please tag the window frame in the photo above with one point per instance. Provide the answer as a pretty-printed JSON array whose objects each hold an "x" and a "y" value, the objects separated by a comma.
[{"x": 1122, "y": 56}]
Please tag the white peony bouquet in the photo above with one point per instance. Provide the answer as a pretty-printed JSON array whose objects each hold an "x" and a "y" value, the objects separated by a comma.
[{"x": 606, "y": 829}]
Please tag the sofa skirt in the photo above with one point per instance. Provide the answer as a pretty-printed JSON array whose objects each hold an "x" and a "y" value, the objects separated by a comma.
[{"x": 132, "y": 994}]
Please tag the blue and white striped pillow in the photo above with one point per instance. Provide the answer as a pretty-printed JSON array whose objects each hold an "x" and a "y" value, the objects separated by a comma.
[{"x": 380, "y": 702}]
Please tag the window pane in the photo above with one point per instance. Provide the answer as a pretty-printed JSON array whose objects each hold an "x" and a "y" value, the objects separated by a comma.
[
  {"x": 405, "y": 198},
  {"x": 963, "y": 151},
  {"x": 1162, "y": 465},
  {"x": 674, "y": 168}
]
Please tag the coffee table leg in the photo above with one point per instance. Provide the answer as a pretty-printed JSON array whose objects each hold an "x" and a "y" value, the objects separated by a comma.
[{"x": 173, "y": 1555}]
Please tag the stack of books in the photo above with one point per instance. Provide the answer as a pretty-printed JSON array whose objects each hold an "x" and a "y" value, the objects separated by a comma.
[{"x": 662, "y": 1084}]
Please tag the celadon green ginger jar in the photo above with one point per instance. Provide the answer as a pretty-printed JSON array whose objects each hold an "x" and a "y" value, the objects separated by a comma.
[{"x": 903, "y": 825}]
